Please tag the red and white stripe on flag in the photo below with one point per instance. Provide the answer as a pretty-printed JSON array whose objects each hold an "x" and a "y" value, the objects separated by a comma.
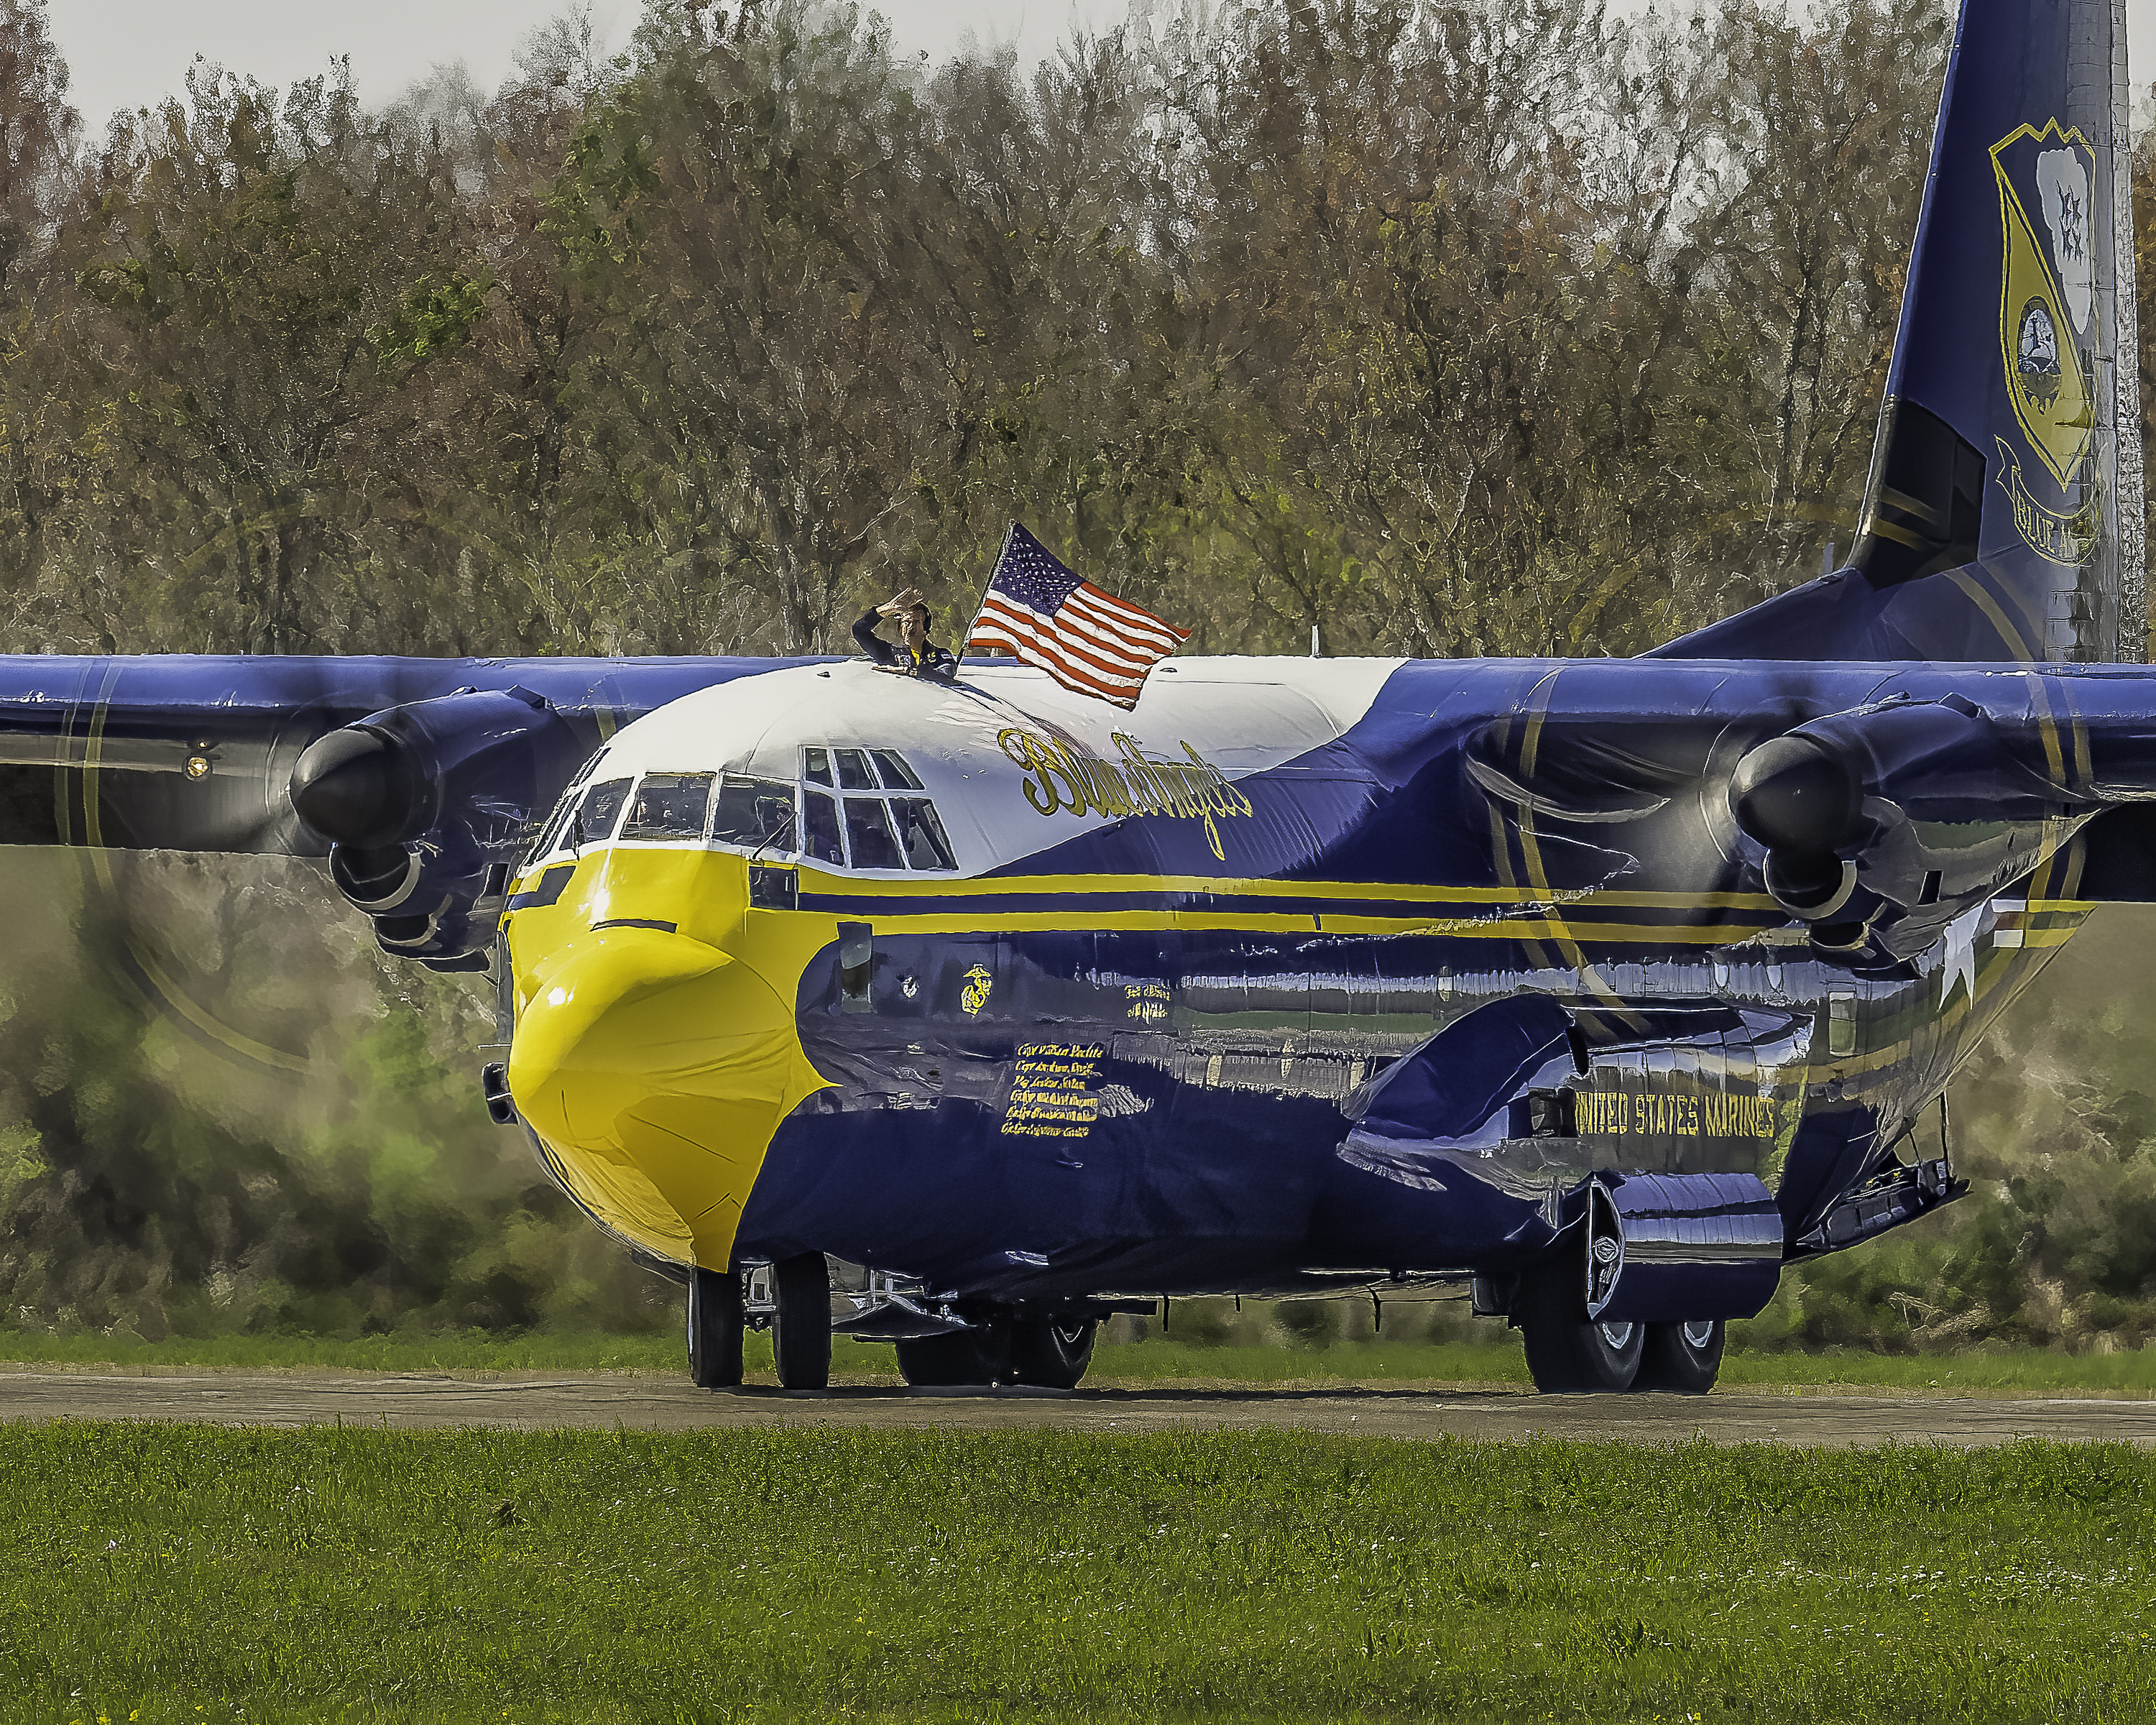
[{"x": 1093, "y": 643}]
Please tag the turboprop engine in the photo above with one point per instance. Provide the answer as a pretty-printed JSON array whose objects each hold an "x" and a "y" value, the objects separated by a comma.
[
  {"x": 1883, "y": 824},
  {"x": 426, "y": 806}
]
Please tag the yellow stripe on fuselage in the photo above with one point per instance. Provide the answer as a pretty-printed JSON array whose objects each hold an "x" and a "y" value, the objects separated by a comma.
[
  {"x": 1078, "y": 901},
  {"x": 816, "y": 880}
]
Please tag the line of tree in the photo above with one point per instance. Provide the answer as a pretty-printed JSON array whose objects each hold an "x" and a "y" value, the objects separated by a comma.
[{"x": 1440, "y": 326}]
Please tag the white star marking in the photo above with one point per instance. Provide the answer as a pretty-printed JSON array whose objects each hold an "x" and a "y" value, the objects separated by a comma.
[{"x": 1960, "y": 941}]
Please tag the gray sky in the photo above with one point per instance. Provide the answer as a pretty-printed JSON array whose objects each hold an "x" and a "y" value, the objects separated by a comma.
[{"x": 129, "y": 52}]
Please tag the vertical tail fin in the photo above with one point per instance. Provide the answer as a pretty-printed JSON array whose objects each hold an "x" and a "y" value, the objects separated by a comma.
[{"x": 2002, "y": 518}]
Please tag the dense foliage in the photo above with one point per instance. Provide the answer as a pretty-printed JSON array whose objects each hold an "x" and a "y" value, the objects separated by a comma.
[
  {"x": 1437, "y": 326},
  {"x": 1442, "y": 327}
]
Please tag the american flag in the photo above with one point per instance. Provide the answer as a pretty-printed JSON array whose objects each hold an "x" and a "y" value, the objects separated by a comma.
[{"x": 1086, "y": 639}]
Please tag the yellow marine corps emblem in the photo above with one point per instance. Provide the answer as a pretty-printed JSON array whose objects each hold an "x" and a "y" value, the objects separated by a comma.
[
  {"x": 2047, "y": 329},
  {"x": 975, "y": 995}
]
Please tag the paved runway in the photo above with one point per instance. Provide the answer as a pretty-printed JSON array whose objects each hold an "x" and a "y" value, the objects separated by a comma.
[{"x": 527, "y": 1401}]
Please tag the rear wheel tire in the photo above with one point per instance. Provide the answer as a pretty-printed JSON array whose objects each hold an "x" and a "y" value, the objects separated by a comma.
[
  {"x": 1567, "y": 1354},
  {"x": 1682, "y": 1357},
  {"x": 801, "y": 1326},
  {"x": 945, "y": 1361},
  {"x": 1052, "y": 1353},
  {"x": 715, "y": 1328}
]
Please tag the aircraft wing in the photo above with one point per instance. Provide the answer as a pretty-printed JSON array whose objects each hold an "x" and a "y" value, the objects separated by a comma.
[
  {"x": 189, "y": 752},
  {"x": 425, "y": 781}
]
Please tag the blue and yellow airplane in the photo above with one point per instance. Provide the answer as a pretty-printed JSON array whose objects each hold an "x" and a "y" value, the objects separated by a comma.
[{"x": 1607, "y": 987}]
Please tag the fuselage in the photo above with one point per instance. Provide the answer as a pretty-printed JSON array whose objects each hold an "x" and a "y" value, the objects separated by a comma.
[{"x": 1011, "y": 991}]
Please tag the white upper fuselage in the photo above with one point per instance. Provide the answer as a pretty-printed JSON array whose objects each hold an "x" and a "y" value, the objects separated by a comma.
[{"x": 978, "y": 747}]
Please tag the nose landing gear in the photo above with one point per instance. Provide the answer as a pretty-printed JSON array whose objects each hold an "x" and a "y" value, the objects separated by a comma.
[
  {"x": 801, "y": 1321},
  {"x": 716, "y": 1324},
  {"x": 792, "y": 1296}
]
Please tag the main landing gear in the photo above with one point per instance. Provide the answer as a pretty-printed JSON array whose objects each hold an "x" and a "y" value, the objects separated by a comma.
[
  {"x": 794, "y": 1299},
  {"x": 1568, "y": 1353},
  {"x": 1048, "y": 1353}
]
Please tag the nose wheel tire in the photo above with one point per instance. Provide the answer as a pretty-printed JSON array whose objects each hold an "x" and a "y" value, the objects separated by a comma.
[
  {"x": 801, "y": 1326},
  {"x": 715, "y": 1328},
  {"x": 1567, "y": 1353},
  {"x": 1052, "y": 1353},
  {"x": 1685, "y": 1357}
]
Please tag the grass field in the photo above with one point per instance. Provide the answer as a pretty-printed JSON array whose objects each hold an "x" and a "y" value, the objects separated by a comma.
[
  {"x": 184, "y": 1575},
  {"x": 1156, "y": 1361}
]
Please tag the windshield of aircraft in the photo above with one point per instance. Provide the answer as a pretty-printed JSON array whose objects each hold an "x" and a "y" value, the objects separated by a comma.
[
  {"x": 876, "y": 831},
  {"x": 857, "y": 807},
  {"x": 669, "y": 805},
  {"x": 550, "y": 833},
  {"x": 755, "y": 812},
  {"x": 595, "y": 816}
]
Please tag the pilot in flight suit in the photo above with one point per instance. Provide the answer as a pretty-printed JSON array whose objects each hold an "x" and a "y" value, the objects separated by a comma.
[{"x": 918, "y": 656}]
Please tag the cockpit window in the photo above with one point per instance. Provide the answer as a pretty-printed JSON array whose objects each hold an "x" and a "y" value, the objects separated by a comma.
[
  {"x": 897, "y": 776},
  {"x": 920, "y": 834},
  {"x": 820, "y": 827},
  {"x": 853, "y": 774},
  {"x": 669, "y": 805},
  {"x": 552, "y": 830},
  {"x": 869, "y": 834},
  {"x": 876, "y": 831},
  {"x": 550, "y": 833},
  {"x": 597, "y": 814},
  {"x": 754, "y": 812}
]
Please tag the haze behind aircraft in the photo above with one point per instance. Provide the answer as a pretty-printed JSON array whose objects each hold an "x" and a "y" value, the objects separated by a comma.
[{"x": 1609, "y": 987}]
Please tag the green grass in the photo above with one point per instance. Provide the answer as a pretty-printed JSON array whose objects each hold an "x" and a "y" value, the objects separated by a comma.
[
  {"x": 1158, "y": 1361},
  {"x": 2022, "y": 1372},
  {"x": 183, "y": 1574}
]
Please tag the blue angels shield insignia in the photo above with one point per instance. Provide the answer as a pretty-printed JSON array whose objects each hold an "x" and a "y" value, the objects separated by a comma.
[{"x": 2046, "y": 330}]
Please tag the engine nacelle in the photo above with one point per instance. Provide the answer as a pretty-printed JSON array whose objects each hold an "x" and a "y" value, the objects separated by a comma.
[
  {"x": 1883, "y": 824},
  {"x": 426, "y": 806}
]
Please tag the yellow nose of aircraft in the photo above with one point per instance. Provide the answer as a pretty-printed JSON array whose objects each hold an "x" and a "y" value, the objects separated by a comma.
[{"x": 656, "y": 1068}]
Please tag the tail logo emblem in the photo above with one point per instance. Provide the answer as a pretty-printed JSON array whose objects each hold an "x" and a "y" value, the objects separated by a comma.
[{"x": 2046, "y": 294}]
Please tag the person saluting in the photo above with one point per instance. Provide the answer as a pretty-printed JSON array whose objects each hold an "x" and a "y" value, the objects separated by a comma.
[{"x": 917, "y": 656}]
